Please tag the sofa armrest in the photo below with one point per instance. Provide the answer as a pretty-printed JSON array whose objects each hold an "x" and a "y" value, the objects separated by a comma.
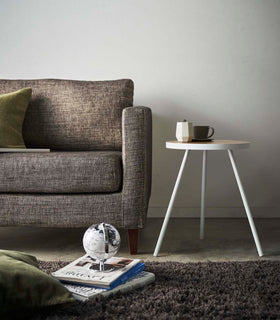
[{"x": 137, "y": 165}]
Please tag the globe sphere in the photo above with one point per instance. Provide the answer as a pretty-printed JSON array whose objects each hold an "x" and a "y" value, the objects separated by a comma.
[{"x": 101, "y": 241}]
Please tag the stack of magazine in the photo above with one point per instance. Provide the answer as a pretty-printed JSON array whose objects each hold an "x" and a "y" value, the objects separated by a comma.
[{"x": 84, "y": 280}]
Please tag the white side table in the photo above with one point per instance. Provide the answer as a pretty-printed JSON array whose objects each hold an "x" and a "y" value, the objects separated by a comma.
[{"x": 228, "y": 145}]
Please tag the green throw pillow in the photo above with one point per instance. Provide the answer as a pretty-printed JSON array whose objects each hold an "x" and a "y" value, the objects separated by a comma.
[
  {"x": 24, "y": 286},
  {"x": 12, "y": 112}
]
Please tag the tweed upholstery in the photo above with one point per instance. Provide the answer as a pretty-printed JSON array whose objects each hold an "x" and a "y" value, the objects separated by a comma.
[
  {"x": 137, "y": 165},
  {"x": 96, "y": 117},
  {"x": 61, "y": 172},
  {"x": 75, "y": 210},
  {"x": 73, "y": 115}
]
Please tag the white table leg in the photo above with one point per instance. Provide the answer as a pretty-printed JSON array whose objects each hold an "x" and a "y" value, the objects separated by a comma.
[
  {"x": 245, "y": 202},
  {"x": 203, "y": 188},
  {"x": 170, "y": 206}
]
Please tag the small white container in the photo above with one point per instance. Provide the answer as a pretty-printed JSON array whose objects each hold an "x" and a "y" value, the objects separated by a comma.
[{"x": 184, "y": 131}]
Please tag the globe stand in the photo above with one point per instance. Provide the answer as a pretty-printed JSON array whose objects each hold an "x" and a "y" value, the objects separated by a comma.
[{"x": 102, "y": 267}]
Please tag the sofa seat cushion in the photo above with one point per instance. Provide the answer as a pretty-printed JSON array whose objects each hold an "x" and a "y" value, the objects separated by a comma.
[{"x": 61, "y": 172}]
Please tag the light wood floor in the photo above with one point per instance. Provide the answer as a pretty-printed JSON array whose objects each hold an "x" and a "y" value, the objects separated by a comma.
[{"x": 225, "y": 240}]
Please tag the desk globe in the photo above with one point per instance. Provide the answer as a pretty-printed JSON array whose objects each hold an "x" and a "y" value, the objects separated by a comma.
[{"x": 101, "y": 241}]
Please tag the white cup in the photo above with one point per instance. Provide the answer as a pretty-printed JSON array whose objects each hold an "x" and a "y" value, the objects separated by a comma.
[{"x": 184, "y": 131}]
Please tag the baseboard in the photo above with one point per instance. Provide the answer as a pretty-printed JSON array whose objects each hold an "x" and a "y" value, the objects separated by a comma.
[{"x": 228, "y": 212}]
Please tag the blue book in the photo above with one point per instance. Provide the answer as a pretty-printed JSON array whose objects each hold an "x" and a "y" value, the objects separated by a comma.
[
  {"x": 85, "y": 271},
  {"x": 128, "y": 275}
]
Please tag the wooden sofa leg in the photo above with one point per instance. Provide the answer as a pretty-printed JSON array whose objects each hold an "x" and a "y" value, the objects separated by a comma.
[{"x": 133, "y": 240}]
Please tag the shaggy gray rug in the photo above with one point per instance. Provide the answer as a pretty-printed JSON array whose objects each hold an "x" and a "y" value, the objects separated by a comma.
[{"x": 227, "y": 290}]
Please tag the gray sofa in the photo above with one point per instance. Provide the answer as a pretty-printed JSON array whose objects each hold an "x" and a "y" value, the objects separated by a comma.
[{"x": 99, "y": 167}]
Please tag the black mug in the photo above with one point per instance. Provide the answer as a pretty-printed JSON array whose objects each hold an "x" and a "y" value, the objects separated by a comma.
[{"x": 202, "y": 132}]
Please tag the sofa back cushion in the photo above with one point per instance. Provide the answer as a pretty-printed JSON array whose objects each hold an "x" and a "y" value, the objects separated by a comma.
[{"x": 73, "y": 115}]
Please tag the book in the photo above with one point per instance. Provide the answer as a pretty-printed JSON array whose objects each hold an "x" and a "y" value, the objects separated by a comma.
[
  {"x": 23, "y": 150},
  {"x": 83, "y": 293},
  {"x": 85, "y": 271}
]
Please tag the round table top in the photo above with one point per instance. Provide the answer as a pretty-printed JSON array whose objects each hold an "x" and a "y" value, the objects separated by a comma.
[{"x": 211, "y": 145}]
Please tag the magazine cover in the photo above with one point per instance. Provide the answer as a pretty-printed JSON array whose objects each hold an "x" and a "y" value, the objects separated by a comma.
[{"x": 85, "y": 271}]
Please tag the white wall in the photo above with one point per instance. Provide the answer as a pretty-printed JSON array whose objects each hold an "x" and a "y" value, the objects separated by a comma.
[{"x": 213, "y": 62}]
